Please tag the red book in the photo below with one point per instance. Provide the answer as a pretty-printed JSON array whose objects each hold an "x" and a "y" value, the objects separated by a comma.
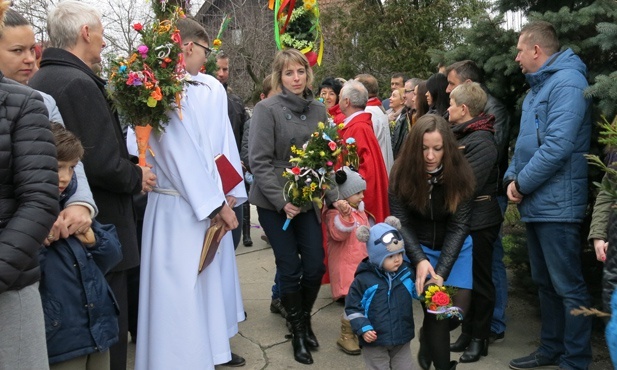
[
  {"x": 229, "y": 176},
  {"x": 210, "y": 246}
]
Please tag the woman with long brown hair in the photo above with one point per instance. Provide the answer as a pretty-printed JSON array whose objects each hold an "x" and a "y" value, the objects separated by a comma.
[
  {"x": 420, "y": 103},
  {"x": 430, "y": 189}
]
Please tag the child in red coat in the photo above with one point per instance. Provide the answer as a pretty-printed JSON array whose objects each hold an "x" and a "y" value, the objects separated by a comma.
[{"x": 345, "y": 251}]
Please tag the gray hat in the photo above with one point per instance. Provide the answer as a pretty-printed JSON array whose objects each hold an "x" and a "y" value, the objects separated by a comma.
[{"x": 348, "y": 181}]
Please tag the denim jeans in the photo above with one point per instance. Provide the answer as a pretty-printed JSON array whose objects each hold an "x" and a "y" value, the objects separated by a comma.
[
  {"x": 298, "y": 251},
  {"x": 276, "y": 293},
  {"x": 555, "y": 258},
  {"x": 500, "y": 278}
]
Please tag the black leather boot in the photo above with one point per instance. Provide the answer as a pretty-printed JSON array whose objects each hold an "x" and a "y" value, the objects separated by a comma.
[
  {"x": 295, "y": 317},
  {"x": 461, "y": 343},
  {"x": 309, "y": 295},
  {"x": 424, "y": 356},
  {"x": 246, "y": 224},
  {"x": 452, "y": 366},
  {"x": 477, "y": 348}
]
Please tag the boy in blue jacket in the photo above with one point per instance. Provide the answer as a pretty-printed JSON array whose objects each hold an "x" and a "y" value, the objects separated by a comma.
[
  {"x": 379, "y": 303},
  {"x": 81, "y": 315}
]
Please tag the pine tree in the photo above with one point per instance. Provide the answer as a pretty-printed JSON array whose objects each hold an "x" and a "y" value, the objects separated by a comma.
[
  {"x": 590, "y": 31},
  {"x": 382, "y": 37}
]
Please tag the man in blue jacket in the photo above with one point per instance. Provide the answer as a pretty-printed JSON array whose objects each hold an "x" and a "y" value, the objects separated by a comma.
[{"x": 547, "y": 178}]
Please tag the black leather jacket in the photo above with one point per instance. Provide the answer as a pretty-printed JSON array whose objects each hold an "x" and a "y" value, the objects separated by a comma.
[
  {"x": 479, "y": 148},
  {"x": 28, "y": 183},
  {"x": 434, "y": 227}
]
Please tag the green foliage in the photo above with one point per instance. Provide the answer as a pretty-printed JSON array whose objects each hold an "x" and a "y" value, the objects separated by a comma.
[
  {"x": 588, "y": 28},
  {"x": 608, "y": 137},
  {"x": 496, "y": 58},
  {"x": 393, "y": 36},
  {"x": 539, "y": 5}
]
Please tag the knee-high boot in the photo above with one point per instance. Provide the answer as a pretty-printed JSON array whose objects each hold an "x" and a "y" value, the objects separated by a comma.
[
  {"x": 452, "y": 366},
  {"x": 246, "y": 224},
  {"x": 424, "y": 354},
  {"x": 309, "y": 295},
  {"x": 295, "y": 317}
]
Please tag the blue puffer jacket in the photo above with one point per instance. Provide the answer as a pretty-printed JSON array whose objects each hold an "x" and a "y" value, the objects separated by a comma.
[
  {"x": 81, "y": 314},
  {"x": 382, "y": 301},
  {"x": 548, "y": 162}
]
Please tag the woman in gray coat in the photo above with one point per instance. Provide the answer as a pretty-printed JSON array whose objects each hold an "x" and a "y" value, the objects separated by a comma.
[{"x": 279, "y": 122}]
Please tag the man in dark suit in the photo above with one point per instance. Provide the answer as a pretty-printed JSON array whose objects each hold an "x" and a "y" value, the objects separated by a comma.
[
  {"x": 76, "y": 35},
  {"x": 237, "y": 117}
]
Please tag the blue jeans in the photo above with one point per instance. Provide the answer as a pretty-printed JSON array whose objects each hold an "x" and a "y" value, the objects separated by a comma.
[
  {"x": 500, "y": 278},
  {"x": 298, "y": 251},
  {"x": 555, "y": 258},
  {"x": 276, "y": 293}
]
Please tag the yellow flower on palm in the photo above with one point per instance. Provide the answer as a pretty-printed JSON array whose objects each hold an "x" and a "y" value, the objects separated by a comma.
[
  {"x": 164, "y": 26},
  {"x": 309, "y": 4}
]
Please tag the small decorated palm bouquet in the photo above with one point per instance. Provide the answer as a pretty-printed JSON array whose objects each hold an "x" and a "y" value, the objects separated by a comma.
[
  {"x": 149, "y": 83},
  {"x": 438, "y": 301},
  {"x": 296, "y": 25},
  {"x": 210, "y": 66},
  {"x": 309, "y": 178}
]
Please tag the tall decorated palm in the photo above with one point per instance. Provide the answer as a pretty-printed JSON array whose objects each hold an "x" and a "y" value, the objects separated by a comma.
[
  {"x": 296, "y": 25},
  {"x": 147, "y": 84}
]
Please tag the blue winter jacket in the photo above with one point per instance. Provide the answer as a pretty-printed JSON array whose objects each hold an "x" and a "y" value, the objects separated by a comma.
[
  {"x": 81, "y": 313},
  {"x": 548, "y": 162},
  {"x": 382, "y": 301}
]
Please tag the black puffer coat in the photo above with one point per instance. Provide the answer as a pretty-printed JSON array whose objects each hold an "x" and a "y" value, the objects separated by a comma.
[
  {"x": 28, "y": 183},
  {"x": 477, "y": 139},
  {"x": 434, "y": 227}
]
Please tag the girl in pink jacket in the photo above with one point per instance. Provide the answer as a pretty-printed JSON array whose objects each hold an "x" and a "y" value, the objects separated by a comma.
[{"x": 345, "y": 251}]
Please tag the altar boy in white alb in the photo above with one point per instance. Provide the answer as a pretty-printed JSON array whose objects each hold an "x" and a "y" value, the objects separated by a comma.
[{"x": 185, "y": 316}]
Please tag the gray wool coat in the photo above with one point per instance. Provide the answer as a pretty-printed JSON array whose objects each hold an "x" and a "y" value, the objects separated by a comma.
[{"x": 278, "y": 123}]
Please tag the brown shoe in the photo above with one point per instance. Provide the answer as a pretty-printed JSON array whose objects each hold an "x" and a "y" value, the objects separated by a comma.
[{"x": 348, "y": 341}]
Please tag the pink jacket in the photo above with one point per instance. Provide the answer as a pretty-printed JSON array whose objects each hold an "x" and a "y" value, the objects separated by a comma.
[{"x": 345, "y": 251}]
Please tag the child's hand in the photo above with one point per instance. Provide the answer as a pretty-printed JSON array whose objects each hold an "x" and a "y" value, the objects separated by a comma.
[{"x": 370, "y": 336}]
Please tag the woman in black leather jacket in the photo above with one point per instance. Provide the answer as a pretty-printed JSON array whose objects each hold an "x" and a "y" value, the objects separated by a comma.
[{"x": 430, "y": 190}]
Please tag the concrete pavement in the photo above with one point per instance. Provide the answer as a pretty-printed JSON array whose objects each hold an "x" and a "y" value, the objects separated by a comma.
[{"x": 261, "y": 340}]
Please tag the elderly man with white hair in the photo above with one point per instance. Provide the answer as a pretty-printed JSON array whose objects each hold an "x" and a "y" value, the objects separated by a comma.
[
  {"x": 76, "y": 35},
  {"x": 358, "y": 125}
]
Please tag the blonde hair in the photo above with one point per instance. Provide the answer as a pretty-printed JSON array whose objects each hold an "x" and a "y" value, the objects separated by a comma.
[
  {"x": 284, "y": 58},
  {"x": 4, "y": 6},
  {"x": 401, "y": 93},
  {"x": 472, "y": 95}
]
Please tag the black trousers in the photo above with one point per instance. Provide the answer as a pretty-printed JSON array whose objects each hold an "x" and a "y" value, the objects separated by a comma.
[
  {"x": 298, "y": 251},
  {"x": 237, "y": 232},
  {"x": 477, "y": 321}
]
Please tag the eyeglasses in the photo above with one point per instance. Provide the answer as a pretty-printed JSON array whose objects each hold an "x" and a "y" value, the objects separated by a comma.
[
  {"x": 206, "y": 49},
  {"x": 408, "y": 91},
  {"x": 389, "y": 237}
]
